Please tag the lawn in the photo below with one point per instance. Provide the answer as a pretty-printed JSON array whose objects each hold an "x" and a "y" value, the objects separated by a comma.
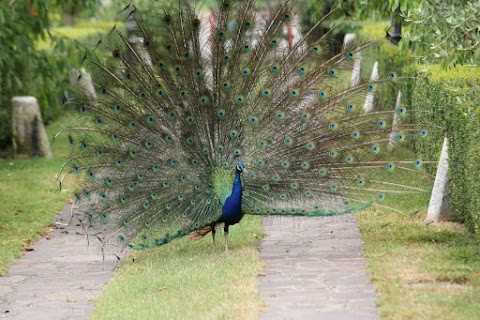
[
  {"x": 189, "y": 279},
  {"x": 422, "y": 271},
  {"x": 30, "y": 199}
]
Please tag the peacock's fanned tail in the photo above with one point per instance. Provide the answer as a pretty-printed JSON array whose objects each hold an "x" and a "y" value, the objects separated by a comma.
[{"x": 176, "y": 104}]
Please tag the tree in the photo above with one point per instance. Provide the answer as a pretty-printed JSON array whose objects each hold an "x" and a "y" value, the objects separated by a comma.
[
  {"x": 24, "y": 68},
  {"x": 444, "y": 31}
]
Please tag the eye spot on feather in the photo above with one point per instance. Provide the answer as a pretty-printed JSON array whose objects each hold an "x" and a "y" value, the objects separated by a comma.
[
  {"x": 315, "y": 50},
  {"x": 305, "y": 165},
  {"x": 418, "y": 163},
  {"x": 331, "y": 73},
  {"x": 233, "y": 133},
  {"x": 390, "y": 166},
  {"x": 221, "y": 113},
  {"x": 310, "y": 145},
  {"x": 369, "y": 87},
  {"x": 280, "y": 116}
]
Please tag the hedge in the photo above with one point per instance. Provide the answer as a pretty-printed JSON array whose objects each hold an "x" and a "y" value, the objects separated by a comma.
[
  {"x": 461, "y": 105},
  {"x": 453, "y": 96}
]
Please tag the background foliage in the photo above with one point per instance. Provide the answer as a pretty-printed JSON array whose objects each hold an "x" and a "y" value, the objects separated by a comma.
[{"x": 25, "y": 69}]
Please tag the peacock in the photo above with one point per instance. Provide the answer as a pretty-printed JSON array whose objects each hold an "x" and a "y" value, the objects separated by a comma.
[{"x": 185, "y": 124}]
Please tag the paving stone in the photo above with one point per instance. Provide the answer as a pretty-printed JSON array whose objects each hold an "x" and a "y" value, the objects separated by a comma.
[
  {"x": 58, "y": 279},
  {"x": 315, "y": 270}
]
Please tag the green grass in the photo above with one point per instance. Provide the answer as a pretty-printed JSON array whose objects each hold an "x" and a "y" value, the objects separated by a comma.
[
  {"x": 80, "y": 31},
  {"x": 420, "y": 271},
  {"x": 189, "y": 280},
  {"x": 30, "y": 199}
]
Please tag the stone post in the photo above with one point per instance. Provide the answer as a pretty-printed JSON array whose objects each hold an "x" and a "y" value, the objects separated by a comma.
[
  {"x": 370, "y": 98},
  {"x": 439, "y": 207},
  {"x": 357, "y": 69},
  {"x": 29, "y": 135},
  {"x": 392, "y": 139},
  {"x": 348, "y": 43},
  {"x": 82, "y": 80}
]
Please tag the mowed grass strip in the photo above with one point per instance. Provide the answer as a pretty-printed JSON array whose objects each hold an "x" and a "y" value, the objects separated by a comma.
[
  {"x": 421, "y": 271},
  {"x": 30, "y": 198},
  {"x": 188, "y": 279}
]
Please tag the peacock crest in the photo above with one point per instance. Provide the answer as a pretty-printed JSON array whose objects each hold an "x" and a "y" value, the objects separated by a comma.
[{"x": 179, "y": 109}]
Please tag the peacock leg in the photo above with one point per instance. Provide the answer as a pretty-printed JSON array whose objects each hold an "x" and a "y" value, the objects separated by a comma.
[
  {"x": 213, "y": 235},
  {"x": 225, "y": 233}
]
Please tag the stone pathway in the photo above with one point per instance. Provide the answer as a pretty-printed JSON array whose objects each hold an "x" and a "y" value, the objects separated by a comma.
[
  {"x": 315, "y": 270},
  {"x": 57, "y": 279}
]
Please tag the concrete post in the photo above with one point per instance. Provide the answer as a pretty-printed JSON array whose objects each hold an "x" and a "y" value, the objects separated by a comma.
[
  {"x": 370, "y": 98},
  {"x": 29, "y": 135},
  {"x": 392, "y": 139},
  {"x": 82, "y": 80},
  {"x": 439, "y": 207}
]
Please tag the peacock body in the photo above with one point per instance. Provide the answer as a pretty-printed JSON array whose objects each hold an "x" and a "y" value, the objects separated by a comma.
[{"x": 176, "y": 112}]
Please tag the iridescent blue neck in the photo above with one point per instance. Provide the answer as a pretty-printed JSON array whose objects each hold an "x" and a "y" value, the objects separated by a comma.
[{"x": 232, "y": 208}]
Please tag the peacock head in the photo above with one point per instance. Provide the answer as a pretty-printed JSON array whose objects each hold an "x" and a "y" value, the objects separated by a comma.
[{"x": 240, "y": 166}]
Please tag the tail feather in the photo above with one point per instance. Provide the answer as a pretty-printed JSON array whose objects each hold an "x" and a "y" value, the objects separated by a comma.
[{"x": 191, "y": 95}]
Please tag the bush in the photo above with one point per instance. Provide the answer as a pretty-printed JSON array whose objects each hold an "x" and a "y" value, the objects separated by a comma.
[
  {"x": 455, "y": 105},
  {"x": 453, "y": 97}
]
